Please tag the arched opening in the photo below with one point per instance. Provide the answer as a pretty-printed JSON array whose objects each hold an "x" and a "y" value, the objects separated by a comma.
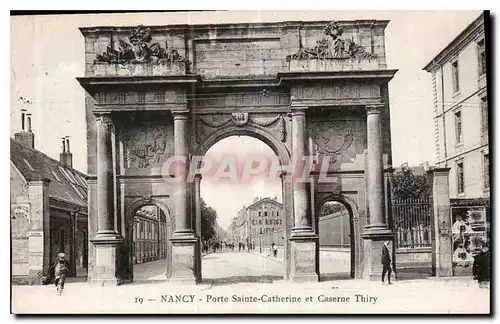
[
  {"x": 243, "y": 234},
  {"x": 336, "y": 241},
  {"x": 149, "y": 243}
]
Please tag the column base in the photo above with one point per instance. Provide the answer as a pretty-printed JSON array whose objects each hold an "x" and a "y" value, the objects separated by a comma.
[
  {"x": 374, "y": 238},
  {"x": 303, "y": 267},
  {"x": 185, "y": 260},
  {"x": 107, "y": 259}
]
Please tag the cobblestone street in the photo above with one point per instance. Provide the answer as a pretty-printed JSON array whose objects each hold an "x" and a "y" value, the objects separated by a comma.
[{"x": 229, "y": 277}]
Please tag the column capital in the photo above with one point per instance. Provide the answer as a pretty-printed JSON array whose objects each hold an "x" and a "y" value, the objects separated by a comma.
[
  {"x": 105, "y": 118},
  {"x": 297, "y": 108},
  {"x": 180, "y": 114},
  {"x": 374, "y": 109}
]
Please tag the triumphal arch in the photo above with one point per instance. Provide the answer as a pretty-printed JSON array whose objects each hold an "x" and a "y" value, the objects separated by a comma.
[{"x": 315, "y": 89}]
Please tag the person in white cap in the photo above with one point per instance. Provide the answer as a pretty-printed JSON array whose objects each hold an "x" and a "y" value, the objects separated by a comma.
[{"x": 61, "y": 266}]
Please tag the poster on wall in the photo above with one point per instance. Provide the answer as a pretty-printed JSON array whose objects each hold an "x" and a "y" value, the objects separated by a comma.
[{"x": 468, "y": 231}]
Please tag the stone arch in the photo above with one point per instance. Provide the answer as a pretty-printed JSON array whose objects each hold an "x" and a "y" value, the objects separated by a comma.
[
  {"x": 249, "y": 130},
  {"x": 352, "y": 207},
  {"x": 138, "y": 203},
  {"x": 284, "y": 157},
  {"x": 165, "y": 208}
]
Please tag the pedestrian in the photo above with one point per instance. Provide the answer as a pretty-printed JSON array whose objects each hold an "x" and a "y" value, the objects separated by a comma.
[
  {"x": 275, "y": 250},
  {"x": 61, "y": 266},
  {"x": 481, "y": 266},
  {"x": 386, "y": 262}
]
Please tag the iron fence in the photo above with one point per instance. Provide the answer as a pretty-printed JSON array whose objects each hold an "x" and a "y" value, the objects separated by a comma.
[{"x": 412, "y": 222}]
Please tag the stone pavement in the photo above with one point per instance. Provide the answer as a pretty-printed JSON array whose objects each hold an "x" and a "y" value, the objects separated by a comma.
[{"x": 249, "y": 283}]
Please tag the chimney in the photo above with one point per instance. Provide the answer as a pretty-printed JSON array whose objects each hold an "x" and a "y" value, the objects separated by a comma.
[
  {"x": 25, "y": 136},
  {"x": 66, "y": 158}
]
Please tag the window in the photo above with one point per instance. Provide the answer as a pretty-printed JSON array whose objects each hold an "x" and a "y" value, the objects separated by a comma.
[
  {"x": 458, "y": 127},
  {"x": 484, "y": 115},
  {"x": 260, "y": 221},
  {"x": 460, "y": 177},
  {"x": 277, "y": 213},
  {"x": 265, "y": 214},
  {"x": 481, "y": 55},
  {"x": 455, "y": 76},
  {"x": 486, "y": 171},
  {"x": 261, "y": 232},
  {"x": 260, "y": 214}
]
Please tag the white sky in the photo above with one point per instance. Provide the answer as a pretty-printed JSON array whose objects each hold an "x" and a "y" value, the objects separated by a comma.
[{"x": 47, "y": 54}]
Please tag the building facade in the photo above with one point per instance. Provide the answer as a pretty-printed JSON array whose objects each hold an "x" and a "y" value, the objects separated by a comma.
[
  {"x": 48, "y": 209},
  {"x": 260, "y": 224},
  {"x": 461, "y": 128}
]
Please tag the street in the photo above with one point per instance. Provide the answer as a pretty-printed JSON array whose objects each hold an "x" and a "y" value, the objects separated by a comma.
[{"x": 230, "y": 277}]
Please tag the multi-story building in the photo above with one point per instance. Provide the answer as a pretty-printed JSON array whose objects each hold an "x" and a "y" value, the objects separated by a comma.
[
  {"x": 261, "y": 223},
  {"x": 461, "y": 112},
  {"x": 461, "y": 126},
  {"x": 48, "y": 202}
]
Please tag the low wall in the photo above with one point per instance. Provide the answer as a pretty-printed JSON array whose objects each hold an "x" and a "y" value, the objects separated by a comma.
[{"x": 414, "y": 259}]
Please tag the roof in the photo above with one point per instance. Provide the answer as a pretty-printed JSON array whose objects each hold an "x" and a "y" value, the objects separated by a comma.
[
  {"x": 263, "y": 200},
  {"x": 456, "y": 44},
  {"x": 65, "y": 184}
]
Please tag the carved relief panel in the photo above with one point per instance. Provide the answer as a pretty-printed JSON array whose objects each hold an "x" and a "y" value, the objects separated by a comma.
[
  {"x": 339, "y": 138},
  {"x": 146, "y": 146}
]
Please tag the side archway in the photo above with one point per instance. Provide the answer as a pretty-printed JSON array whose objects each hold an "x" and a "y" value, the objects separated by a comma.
[
  {"x": 149, "y": 235},
  {"x": 354, "y": 232}
]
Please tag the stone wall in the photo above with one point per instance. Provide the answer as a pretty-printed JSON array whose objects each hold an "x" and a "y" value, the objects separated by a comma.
[{"x": 334, "y": 230}]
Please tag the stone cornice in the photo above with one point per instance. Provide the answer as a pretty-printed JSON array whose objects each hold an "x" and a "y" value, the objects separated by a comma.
[
  {"x": 185, "y": 28},
  {"x": 380, "y": 75},
  {"x": 91, "y": 84}
]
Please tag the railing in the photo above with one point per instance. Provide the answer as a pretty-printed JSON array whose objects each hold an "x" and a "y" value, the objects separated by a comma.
[{"x": 412, "y": 222}]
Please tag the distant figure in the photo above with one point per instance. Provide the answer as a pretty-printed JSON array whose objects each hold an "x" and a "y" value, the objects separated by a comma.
[
  {"x": 61, "y": 266},
  {"x": 274, "y": 249},
  {"x": 386, "y": 262},
  {"x": 481, "y": 267}
]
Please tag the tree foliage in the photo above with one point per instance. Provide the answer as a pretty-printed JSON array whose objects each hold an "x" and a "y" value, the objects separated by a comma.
[
  {"x": 208, "y": 221},
  {"x": 407, "y": 185},
  {"x": 332, "y": 207}
]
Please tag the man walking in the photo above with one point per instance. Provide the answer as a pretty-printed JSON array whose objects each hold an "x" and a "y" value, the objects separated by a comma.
[
  {"x": 481, "y": 266},
  {"x": 386, "y": 262},
  {"x": 61, "y": 266}
]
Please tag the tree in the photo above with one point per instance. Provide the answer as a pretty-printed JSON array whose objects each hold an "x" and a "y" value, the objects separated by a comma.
[
  {"x": 208, "y": 221},
  {"x": 406, "y": 185},
  {"x": 332, "y": 207}
]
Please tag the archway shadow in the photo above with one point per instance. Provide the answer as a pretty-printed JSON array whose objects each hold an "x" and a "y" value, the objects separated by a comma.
[
  {"x": 268, "y": 279},
  {"x": 335, "y": 276}
]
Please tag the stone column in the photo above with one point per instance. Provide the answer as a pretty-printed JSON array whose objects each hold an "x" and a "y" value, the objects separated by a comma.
[
  {"x": 185, "y": 242},
  {"x": 304, "y": 242},
  {"x": 442, "y": 243},
  {"x": 376, "y": 231},
  {"x": 197, "y": 198},
  {"x": 107, "y": 240}
]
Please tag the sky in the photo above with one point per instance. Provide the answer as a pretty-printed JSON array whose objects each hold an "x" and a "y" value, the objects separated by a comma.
[{"x": 47, "y": 54}]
